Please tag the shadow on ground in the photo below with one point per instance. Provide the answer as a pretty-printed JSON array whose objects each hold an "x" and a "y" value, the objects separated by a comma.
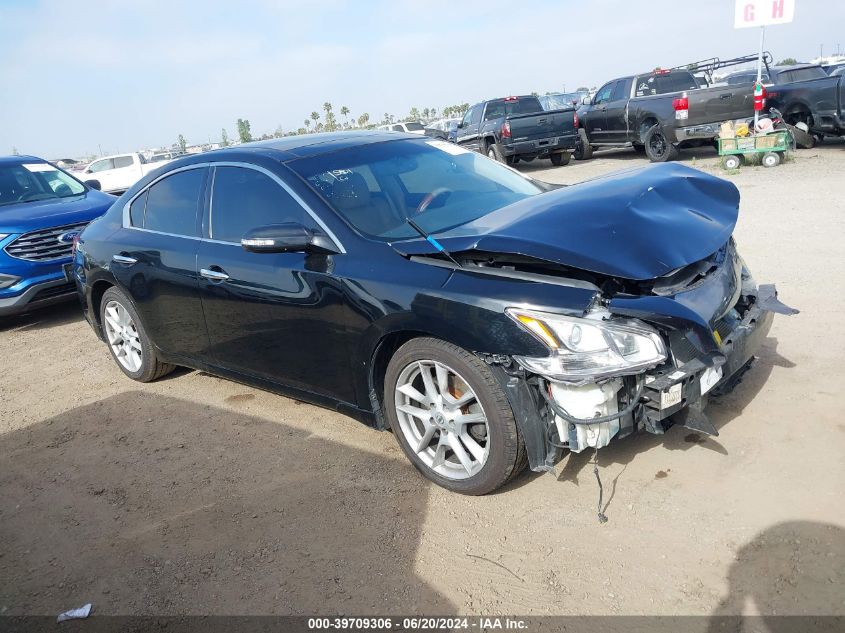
[
  {"x": 145, "y": 504},
  {"x": 47, "y": 317},
  {"x": 791, "y": 569}
]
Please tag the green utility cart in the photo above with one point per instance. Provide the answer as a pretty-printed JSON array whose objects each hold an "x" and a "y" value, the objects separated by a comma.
[{"x": 772, "y": 146}]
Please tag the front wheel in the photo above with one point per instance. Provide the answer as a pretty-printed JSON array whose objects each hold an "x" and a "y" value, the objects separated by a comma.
[
  {"x": 451, "y": 417},
  {"x": 128, "y": 342},
  {"x": 658, "y": 148},
  {"x": 732, "y": 161}
]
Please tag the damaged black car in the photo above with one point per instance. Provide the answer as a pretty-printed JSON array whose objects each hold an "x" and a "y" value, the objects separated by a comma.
[{"x": 491, "y": 321}]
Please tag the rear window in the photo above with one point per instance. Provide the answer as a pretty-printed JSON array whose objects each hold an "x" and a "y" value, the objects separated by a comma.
[
  {"x": 664, "y": 84},
  {"x": 505, "y": 107},
  {"x": 802, "y": 74}
]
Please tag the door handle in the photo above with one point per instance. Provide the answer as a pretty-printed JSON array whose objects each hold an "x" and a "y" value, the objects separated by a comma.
[
  {"x": 726, "y": 96},
  {"x": 123, "y": 259},
  {"x": 603, "y": 108},
  {"x": 213, "y": 275}
]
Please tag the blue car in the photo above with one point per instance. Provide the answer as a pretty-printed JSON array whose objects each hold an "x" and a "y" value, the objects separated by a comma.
[{"x": 42, "y": 209}]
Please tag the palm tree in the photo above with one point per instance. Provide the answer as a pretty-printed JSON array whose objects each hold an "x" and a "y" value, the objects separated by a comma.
[
  {"x": 315, "y": 116},
  {"x": 364, "y": 119},
  {"x": 307, "y": 125},
  {"x": 344, "y": 112},
  {"x": 426, "y": 113}
]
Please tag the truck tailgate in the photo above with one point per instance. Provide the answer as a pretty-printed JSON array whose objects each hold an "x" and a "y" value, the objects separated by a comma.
[
  {"x": 542, "y": 125},
  {"x": 722, "y": 103}
]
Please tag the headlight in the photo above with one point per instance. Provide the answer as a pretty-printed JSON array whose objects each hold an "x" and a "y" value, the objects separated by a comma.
[{"x": 586, "y": 350}]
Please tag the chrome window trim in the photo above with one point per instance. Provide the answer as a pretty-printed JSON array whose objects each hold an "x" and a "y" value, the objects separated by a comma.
[{"x": 258, "y": 168}]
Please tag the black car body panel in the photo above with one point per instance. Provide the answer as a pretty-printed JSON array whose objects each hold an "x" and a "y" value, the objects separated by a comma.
[
  {"x": 637, "y": 224},
  {"x": 321, "y": 326}
]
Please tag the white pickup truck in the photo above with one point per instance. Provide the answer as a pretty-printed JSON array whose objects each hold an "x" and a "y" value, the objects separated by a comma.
[{"x": 117, "y": 173}]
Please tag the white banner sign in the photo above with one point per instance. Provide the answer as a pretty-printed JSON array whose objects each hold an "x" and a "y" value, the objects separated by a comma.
[{"x": 763, "y": 12}]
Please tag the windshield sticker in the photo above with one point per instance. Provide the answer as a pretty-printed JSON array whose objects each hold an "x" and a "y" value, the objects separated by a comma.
[
  {"x": 36, "y": 167},
  {"x": 449, "y": 148}
]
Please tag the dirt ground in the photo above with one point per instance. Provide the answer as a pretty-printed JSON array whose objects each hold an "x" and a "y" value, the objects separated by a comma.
[{"x": 195, "y": 495}]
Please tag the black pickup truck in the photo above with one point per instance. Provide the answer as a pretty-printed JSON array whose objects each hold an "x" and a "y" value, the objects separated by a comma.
[
  {"x": 659, "y": 113},
  {"x": 818, "y": 100},
  {"x": 517, "y": 128}
]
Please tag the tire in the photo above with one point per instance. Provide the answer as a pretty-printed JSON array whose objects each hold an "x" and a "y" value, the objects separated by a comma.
[
  {"x": 495, "y": 152},
  {"x": 657, "y": 146},
  {"x": 732, "y": 161},
  {"x": 560, "y": 159},
  {"x": 770, "y": 159},
  {"x": 502, "y": 446},
  {"x": 149, "y": 367},
  {"x": 583, "y": 149}
]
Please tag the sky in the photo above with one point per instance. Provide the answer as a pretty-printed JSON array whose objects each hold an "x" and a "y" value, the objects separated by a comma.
[{"x": 78, "y": 77}]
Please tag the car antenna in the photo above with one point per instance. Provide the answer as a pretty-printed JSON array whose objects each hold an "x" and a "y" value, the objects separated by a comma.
[{"x": 433, "y": 242}]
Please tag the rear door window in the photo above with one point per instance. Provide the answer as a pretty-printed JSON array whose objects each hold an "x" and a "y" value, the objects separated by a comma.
[
  {"x": 173, "y": 203},
  {"x": 101, "y": 165},
  {"x": 243, "y": 199},
  {"x": 122, "y": 161}
]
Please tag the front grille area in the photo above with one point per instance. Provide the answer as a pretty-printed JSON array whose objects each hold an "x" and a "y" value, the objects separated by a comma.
[
  {"x": 43, "y": 245},
  {"x": 55, "y": 291}
]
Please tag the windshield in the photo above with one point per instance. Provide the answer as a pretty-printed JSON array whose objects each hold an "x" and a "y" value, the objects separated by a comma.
[
  {"x": 28, "y": 182},
  {"x": 377, "y": 187}
]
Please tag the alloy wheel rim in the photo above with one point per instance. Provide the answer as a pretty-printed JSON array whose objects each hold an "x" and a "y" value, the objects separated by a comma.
[
  {"x": 442, "y": 419},
  {"x": 658, "y": 145},
  {"x": 124, "y": 338}
]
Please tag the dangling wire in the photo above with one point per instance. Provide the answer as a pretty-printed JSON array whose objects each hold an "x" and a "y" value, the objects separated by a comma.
[{"x": 602, "y": 517}]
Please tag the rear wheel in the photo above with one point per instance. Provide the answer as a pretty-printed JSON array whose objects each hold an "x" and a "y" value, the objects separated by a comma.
[
  {"x": 657, "y": 146},
  {"x": 583, "y": 149},
  {"x": 451, "y": 417},
  {"x": 770, "y": 159},
  {"x": 559, "y": 159},
  {"x": 495, "y": 152},
  {"x": 128, "y": 342}
]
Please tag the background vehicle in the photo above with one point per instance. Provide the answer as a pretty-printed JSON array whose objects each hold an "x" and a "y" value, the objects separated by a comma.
[
  {"x": 561, "y": 100},
  {"x": 503, "y": 340},
  {"x": 517, "y": 128},
  {"x": 42, "y": 209},
  {"x": 659, "y": 112},
  {"x": 160, "y": 157},
  {"x": 816, "y": 101},
  {"x": 409, "y": 127},
  {"x": 445, "y": 129},
  {"x": 119, "y": 172}
]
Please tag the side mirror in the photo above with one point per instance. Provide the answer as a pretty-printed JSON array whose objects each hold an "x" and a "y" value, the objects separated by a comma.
[
  {"x": 94, "y": 184},
  {"x": 585, "y": 100},
  {"x": 286, "y": 238},
  {"x": 460, "y": 126}
]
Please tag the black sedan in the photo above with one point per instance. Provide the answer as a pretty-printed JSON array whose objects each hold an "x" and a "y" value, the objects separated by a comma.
[{"x": 489, "y": 320}]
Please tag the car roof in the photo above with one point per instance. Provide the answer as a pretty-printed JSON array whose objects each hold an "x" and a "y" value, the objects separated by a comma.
[
  {"x": 781, "y": 69},
  {"x": 301, "y": 145},
  {"x": 17, "y": 159}
]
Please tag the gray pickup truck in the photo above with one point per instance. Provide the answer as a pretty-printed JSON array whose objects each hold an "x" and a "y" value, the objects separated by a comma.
[
  {"x": 517, "y": 128},
  {"x": 659, "y": 113}
]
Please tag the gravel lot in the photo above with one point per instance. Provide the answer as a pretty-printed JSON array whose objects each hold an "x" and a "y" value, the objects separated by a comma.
[{"x": 196, "y": 495}]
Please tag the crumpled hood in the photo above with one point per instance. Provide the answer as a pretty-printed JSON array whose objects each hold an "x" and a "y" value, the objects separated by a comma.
[{"x": 637, "y": 224}]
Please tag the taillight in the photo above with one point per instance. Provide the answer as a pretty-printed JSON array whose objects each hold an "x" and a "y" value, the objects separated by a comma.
[
  {"x": 681, "y": 106},
  {"x": 506, "y": 130},
  {"x": 575, "y": 119}
]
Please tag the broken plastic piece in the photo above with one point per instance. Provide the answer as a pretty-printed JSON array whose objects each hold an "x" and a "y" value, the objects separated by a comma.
[
  {"x": 767, "y": 298},
  {"x": 75, "y": 614}
]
